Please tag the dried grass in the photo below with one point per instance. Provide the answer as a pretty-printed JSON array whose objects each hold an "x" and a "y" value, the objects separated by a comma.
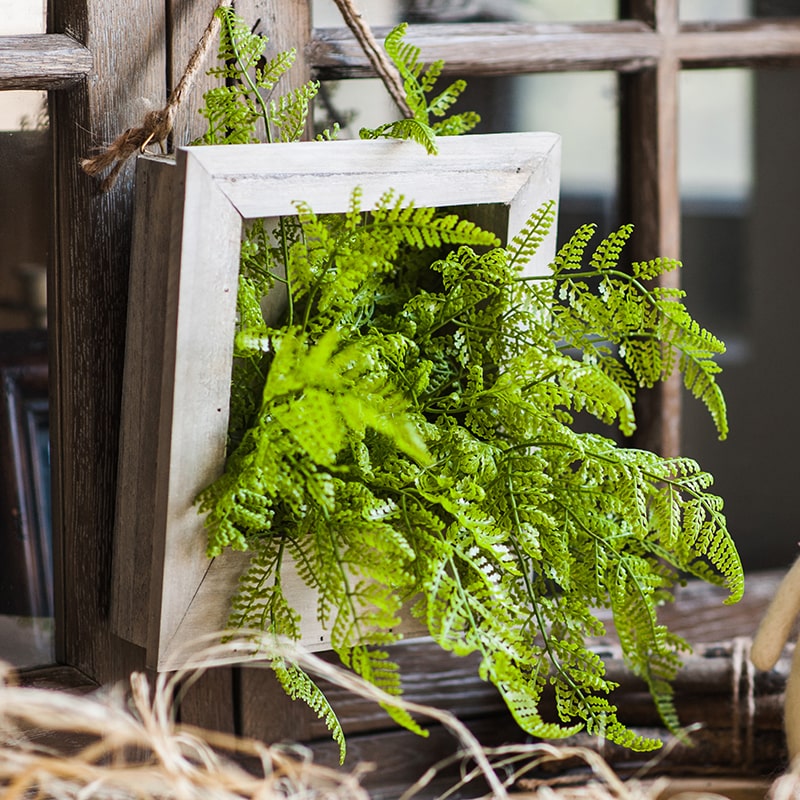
[{"x": 115, "y": 745}]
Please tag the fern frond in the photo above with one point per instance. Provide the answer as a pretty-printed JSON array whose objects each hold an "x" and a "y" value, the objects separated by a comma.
[
  {"x": 412, "y": 129},
  {"x": 289, "y": 112},
  {"x": 418, "y": 85},
  {"x": 298, "y": 686},
  {"x": 268, "y": 75},
  {"x": 526, "y": 243}
]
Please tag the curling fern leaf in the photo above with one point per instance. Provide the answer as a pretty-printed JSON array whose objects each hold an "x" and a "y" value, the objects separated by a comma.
[{"x": 419, "y": 83}]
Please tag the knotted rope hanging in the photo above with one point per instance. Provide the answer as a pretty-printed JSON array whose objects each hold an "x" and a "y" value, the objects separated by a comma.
[
  {"x": 157, "y": 125},
  {"x": 381, "y": 63}
]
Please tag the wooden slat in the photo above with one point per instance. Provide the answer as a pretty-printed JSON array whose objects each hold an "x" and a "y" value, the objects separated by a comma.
[
  {"x": 42, "y": 61},
  {"x": 187, "y": 21},
  {"x": 497, "y": 48},
  {"x": 137, "y": 471},
  {"x": 494, "y": 49},
  {"x": 288, "y": 26},
  {"x": 650, "y": 199},
  {"x": 87, "y": 315},
  {"x": 739, "y": 44}
]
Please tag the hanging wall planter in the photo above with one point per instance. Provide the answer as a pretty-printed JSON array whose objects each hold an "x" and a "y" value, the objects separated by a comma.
[{"x": 187, "y": 237}]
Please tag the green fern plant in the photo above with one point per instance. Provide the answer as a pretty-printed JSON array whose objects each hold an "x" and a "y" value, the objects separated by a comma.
[
  {"x": 235, "y": 108},
  {"x": 419, "y": 82},
  {"x": 404, "y": 433}
]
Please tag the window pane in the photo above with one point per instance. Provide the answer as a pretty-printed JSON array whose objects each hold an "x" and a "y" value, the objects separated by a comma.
[
  {"x": 325, "y": 14},
  {"x": 741, "y": 274},
  {"x": 718, "y": 10},
  {"x": 567, "y": 10},
  {"x": 563, "y": 103},
  {"x": 519, "y": 10},
  {"x": 390, "y": 12},
  {"x": 22, "y": 16},
  {"x": 26, "y": 582},
  {"x": 25, "y": 182}
]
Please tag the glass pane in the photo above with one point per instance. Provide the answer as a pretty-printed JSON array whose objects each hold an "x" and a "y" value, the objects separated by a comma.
[
  {"x": 510, "y": 10},
  {"x": 390, "y": 12},
  {"x": 22, "y": 16},
  {"x": 740, "y": 271},
  {"x": 354, "y": 104},
  {"x": 325, "y": 14},
  {"x": 26, "y": 581},
  {"x": 567, "y": 10},
  {"x": 563, "y": 103},
  {"x": 718, "y": 10}
]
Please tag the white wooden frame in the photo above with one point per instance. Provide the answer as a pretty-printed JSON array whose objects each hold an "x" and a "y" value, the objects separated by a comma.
[{"x": 182, "y": 305}]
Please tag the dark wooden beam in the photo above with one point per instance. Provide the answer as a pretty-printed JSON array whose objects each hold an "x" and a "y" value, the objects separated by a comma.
[
  {"x": 650, "y": 198},
  {"x": 499, "y": 48},
  {"x": 87, "y": 306},
  {"x": 42, "y": 61}
]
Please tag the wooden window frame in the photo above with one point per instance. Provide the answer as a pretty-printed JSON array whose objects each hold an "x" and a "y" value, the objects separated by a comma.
[{"x": 102, "y": 84}]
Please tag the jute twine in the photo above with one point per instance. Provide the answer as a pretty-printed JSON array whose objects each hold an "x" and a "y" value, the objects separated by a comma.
[{"x": 157, "y": 125}]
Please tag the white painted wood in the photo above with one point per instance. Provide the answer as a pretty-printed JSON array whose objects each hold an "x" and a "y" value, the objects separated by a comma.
[
  {"x": 215, "y": 189},
  {"x": 267, "y": 180}
]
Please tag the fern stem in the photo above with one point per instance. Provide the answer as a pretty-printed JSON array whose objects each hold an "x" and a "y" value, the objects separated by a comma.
[
  {"x": 265, "y": 116},
  {"x": 532, "y": 595},
  {"x": 244, "y": 73}
]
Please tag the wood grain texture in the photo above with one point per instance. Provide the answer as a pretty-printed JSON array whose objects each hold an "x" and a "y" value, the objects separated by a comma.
[
  {"x": 187, "y": 19},
  {"x": 42, "y": 61},
  {"x": 518, "y": 170},
  {"x": 650, "y": 199},
  {"x": 87, "y": 307},
  {"x": 497, "y": 48},
  {"x": 288, "y": 27},
  {"x": 137, "y": 471},
  {"x": 753, "y": 43}
]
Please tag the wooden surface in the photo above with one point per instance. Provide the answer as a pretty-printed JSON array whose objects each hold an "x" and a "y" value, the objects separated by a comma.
[
  {"x": 500, "y": 48},
  {"x": 42, "y": 61},
  {"x": 187, "y": 21},
  {"x": 649, "y": 198},
  {"x": 520, "y": 170},
  {"x": 87, "y": 299},
  {"x": 141, "y": 405},
  {"x": 496, "y": 48}
]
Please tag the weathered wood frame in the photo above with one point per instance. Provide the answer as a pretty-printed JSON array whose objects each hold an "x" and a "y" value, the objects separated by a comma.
[{"x": 182, "y": 298}]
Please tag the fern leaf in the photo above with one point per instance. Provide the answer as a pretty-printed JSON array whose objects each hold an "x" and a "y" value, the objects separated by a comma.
[
  {"x": 412, "y": 129},
  {"x": 299, "y": 686},
  {"x": 526, "y": 243},
  {"x": 288, "y": 114}
]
